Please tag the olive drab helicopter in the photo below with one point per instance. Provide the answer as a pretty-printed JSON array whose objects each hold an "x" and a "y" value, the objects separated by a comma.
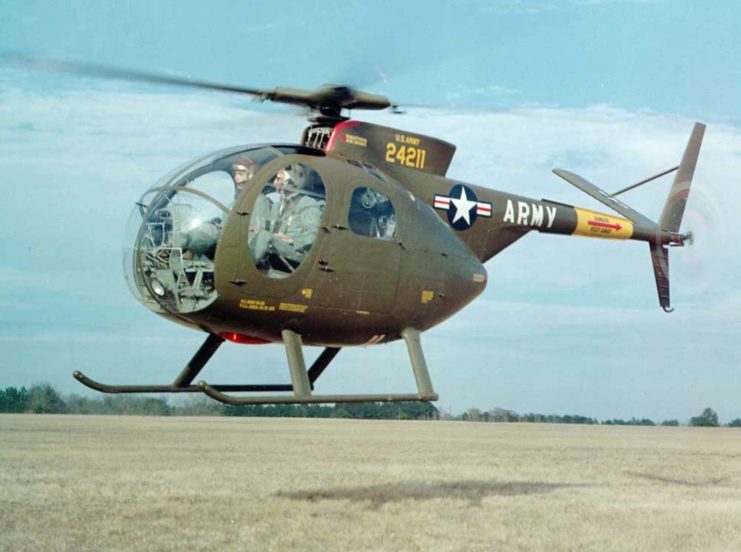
[{"x": 353, "y": 236}]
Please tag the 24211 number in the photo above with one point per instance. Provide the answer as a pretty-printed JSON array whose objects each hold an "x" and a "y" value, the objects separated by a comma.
[{"x": 408, "y": 156}]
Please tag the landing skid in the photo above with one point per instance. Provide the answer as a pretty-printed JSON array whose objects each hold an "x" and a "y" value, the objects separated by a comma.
[{"x": 302, "y": 380}]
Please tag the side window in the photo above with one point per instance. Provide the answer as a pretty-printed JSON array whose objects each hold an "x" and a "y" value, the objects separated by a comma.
[
  {"x": 285, "y": 220},
  {"x": 371, "y": 214}
]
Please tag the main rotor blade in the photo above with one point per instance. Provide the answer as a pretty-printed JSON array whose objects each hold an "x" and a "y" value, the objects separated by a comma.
[
  {"x": 108, "y": 72},
  {"x": 328, "y": 98}
]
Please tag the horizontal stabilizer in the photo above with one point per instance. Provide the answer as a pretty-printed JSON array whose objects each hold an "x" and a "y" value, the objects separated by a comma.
[{"x": 605, "y": 198}]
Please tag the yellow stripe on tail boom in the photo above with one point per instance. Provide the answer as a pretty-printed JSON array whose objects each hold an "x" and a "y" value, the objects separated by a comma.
[{"x": 599, "y": 225}]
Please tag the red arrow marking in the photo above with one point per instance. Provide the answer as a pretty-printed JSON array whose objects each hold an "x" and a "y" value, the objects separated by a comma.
[{"x": 604, "y": 225}]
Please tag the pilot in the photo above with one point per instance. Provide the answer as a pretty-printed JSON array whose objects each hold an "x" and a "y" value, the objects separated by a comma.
[
  {"x": 292, "y": 222},
  {"x": 243, "y": 170}
]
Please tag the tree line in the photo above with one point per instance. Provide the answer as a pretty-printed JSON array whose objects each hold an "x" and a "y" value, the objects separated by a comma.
[
  {"x": 708, "y": 418},
  {"x": 44, "y": 399}
]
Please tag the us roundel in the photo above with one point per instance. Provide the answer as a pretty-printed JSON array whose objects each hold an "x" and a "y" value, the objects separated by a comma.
[{"x": 462, "y": 206}]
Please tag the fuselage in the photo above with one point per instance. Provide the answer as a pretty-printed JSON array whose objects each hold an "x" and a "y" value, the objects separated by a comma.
[{"x": 377, "y": 259}]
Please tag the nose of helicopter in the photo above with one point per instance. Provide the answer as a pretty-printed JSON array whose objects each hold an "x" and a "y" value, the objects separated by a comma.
[
  {"x": 174, "y": 229},
  {"x": 169, "y": 257},
  {"x": 173, "y": 232}
]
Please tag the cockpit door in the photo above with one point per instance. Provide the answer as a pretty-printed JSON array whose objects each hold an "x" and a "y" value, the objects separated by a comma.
[{"x": 274, "y": 229}]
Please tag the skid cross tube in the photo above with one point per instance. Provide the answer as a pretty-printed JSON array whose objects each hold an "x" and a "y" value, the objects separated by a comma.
[
  {"x": 199, "y": 360},
  {"x": 321, "y": 363}
]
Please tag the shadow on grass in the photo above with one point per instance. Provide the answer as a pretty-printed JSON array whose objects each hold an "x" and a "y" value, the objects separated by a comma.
[
  {"x": 472, "y": 491},
  {"x": 684, "y": 482}
]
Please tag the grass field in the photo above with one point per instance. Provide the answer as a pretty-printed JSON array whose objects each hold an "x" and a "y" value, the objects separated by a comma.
[{"x": 92, "y": 483}]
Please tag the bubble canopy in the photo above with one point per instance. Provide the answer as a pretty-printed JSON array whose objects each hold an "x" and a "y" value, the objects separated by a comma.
[{"x": 174, "y": 228}]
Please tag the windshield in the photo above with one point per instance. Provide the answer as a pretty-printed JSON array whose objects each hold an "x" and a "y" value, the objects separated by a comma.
[{"x": 176, "y": 225}]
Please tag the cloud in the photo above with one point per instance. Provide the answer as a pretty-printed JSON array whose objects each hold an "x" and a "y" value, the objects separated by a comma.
[{"x": 495, "y": 90}]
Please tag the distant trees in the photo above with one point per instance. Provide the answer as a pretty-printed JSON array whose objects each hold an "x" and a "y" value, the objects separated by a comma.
[
  {"x": 504, "y": 415},
  {"x": 278, "y": 411},
  {"x": 44, "y": 399},
  {"x": 13, "y": 400},
  {"x": 388, "y": 411},
  {"x": 366, "y": 411},
  {"x": 473, "y": 415},
  {"x": 708, "y": 418},
  {"x": 198, "y": 405},
  {"x": 556, "y": 419},
  {"x": 631, "y": 422}
]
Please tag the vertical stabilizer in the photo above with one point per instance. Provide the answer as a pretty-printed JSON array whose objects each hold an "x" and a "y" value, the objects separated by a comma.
[{"x": 671, "y": 216}]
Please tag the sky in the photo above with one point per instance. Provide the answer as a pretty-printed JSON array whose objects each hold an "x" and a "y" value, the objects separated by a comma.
[{"x": 609, "y": 89}]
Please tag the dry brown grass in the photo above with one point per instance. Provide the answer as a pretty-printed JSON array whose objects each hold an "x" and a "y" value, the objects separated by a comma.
[{"x": 126, "y": 483}]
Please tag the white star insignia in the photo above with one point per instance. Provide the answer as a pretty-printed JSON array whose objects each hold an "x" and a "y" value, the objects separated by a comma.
[{"x": 463, "y": 207}]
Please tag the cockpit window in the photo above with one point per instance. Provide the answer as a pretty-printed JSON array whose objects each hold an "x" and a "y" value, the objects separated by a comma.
[
  {"x": 372, "y": 214},
  {"x": 285, "y": 220}
]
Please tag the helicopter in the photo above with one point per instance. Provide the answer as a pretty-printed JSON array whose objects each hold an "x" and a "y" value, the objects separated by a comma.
[{"x": 355, "y": 235}]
